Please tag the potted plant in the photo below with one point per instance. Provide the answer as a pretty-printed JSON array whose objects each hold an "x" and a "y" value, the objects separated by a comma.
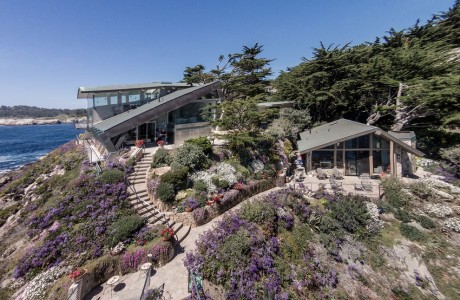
[
  {"x": 139, "y": 143},
  {"x": 77, "y": 274},
  {"x": 160, "y": 143},
  {"x": 167, "y": 234},
  {"x": 190, "y": 204}
]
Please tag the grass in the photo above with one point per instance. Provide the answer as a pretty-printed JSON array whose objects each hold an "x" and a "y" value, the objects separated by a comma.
[{"x": 389, "y": 235}]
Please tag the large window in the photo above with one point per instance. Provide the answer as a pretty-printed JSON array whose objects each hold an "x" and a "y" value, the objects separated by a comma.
[
  {"x": 381, "y": 160},
  {"x": 322, "y": 159},
  {"x": 190, "y": 113},
  {"x": 380, "y": 143}
]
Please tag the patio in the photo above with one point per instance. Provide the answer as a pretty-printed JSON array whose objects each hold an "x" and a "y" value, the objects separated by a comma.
[{"x": 345, "y": 185}]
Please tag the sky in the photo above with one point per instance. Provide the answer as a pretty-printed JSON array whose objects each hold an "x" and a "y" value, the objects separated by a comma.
[{"x": 50, "y": 48}]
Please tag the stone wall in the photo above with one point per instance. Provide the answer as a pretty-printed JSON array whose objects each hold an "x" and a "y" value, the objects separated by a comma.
[{"x": 231, "y": 198}]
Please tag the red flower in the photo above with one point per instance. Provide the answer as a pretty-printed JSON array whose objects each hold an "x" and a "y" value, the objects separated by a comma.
[
  {"x": 139, "y": 143},
  {"x": 168, "y": 232},
  {"x": 160, "y": 143},
  {"x": 76, "y": 273}
]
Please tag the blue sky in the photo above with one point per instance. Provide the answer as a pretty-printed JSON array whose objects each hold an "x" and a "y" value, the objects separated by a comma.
[{"x": 49, "y": 48}]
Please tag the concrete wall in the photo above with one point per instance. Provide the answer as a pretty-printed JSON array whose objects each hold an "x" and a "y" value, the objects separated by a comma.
[{"x": 183, "y": 132}]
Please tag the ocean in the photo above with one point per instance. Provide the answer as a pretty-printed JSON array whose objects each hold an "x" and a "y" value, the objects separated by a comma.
[{"x": 20, "y": 145}]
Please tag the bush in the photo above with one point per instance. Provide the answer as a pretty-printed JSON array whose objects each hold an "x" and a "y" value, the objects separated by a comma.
[
  {"x": 161, "y": 158},
  {"x": 421, "y": 189},
  {"x": 200, "y": 215},
  {"x": 239, "y": 168},
  {"x": 192, "y": 156},
  {"x": 258, "y": 212},
  {"x": 220, "y": 183},
  {"x": 426, "y": 222},
  {"x": 411, "y": 233},
  {"x": 165, "y": 192},
  {"x": 394, "y": 193},
  {"x": 175, "y": 177},
  {"x": 350, "y": 211},
  {"x": 112, "y": 176},
  {"x": 124, "y": 227},
  {"x": 131, "y": 162},
  {"x": 201, "y": 142},
  {"x": 200, "y": 186},
  {"x": 402, "y": 215}
]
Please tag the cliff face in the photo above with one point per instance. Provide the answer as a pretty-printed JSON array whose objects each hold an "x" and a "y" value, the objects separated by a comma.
[{"x": 39, "y": 121}]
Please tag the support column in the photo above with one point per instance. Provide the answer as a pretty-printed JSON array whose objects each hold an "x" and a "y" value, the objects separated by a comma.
[
  {"x": 335, "y": 155},
  {"x": 371, "y": 155},
  {"x": 392, "y": 158}
]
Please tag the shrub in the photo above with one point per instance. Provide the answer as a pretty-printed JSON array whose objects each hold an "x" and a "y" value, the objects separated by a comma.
[
  {"x": 350, "y": 211},
  {"x": 201, "y": 142},
  {"x": 258, "y": 212},
  {"x": 200, "y": 215},
  {"x": 239, "y": 168},
  {"x": 402, "y": 215},
  {"x": 421, "y": 189},
  {"x": 131, "y": 162},
  {"x": 191, "y": 203},
  {"x": 219, "y": 183},
  {"x": 192, "y": 156},
  {"x": 175, "y": 177},
  {"x": 112, "y": 176},
  {"x": 394, "y": 193},
  {"x": 161, "y": 158},
  {"x": 411, "y": 233},
  {"x": 426, "y": 222},
  {"x": 5, "y": 213},
  {"x": 165, "y": 192},
  {"x": 200, "y": 186},
  {"x": 124, "y": 227}
]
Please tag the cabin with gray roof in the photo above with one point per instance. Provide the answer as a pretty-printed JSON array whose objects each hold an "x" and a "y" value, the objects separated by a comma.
[
  {"x": 172, "y": 112},
  {"x": 358, "y": 148}
]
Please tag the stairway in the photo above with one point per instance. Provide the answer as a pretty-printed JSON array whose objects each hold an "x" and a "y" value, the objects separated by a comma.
[{"x": 139, "y": 198}]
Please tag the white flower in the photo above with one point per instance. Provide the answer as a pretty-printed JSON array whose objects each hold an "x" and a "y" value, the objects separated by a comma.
[
  {"x": 452, "y": 224},
  {"x": 438, "y": 210},
  {"x": 257, "y": 166},
  {"x": 374, "y": 222},
  {"x": 204, "y": 176},
  {"x": 36, "y": 289},
  {"x": 226, "y": 172}
]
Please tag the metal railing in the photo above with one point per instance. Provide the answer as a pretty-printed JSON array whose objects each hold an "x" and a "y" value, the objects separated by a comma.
[
  {"x": 194, "y": 286},
  {"x": 144, "y": 293}
]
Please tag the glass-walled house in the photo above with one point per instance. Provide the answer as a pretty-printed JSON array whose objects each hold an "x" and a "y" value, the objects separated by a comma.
[
  {"x": 356, "y": 148},
  {"x": 171, "y": 112}
]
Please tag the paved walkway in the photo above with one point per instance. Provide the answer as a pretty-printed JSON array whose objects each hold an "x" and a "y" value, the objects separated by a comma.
[{"x": 173, "y": 275}]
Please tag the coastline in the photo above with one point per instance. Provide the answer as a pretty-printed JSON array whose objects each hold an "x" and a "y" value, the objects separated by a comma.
[{"x": 39, "y": 121}]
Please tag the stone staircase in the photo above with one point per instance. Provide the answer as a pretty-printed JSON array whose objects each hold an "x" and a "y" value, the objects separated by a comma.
[{"x": 140, "y": 201}]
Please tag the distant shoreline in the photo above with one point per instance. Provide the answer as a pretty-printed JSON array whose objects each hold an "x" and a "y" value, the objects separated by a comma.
[{"x": 39, "y": 121}]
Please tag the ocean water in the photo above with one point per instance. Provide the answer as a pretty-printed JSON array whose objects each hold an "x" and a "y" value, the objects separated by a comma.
[{"x": 20, "y": 145}]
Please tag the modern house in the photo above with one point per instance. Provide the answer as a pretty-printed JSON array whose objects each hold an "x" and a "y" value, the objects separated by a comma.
[
  {"x": 358, "y": 148},
  {"x": 122, "y": 114}
]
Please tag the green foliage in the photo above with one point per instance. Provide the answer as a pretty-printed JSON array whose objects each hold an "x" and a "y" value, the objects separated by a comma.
[
  {"x": 402, "y": 215},
  {"x": 192, "y": 156},
  {"x": 131, "y": 162},
  {"x": 289, "y": 123},
  {"x": 235, "y": 249},
  {"x": 239, "y": 168},
  {"x": 394, "y": 193},
  {"x": 411, "y": 233},
  {"x": 350, "y": 211},
  {"x": 421, "y": 189},
  {"x": 426, "y": 222},
  {"x": 102, "y": 266},
  {"x": 196, "y": 74},
  {"x": 5, "y": 213},
  {"x": 125, "y": 227},
  {"x": 201, "y": 142},
  {"x": 200, "y": 186},
  {"x": 330, "y": 226},
  {"x": 175, "y": 177},
  {"x": 111, "y": 176},
  {"x": 24, "y": 111},
  {"x": 258, "y": 212},
  {"x": 452, "y": 157},
  {"x": 161, "y": 158},
  {"x": 295, "y": 242},
  {"x": 219, "y": 183},
  {"x": 165, "y": 192}
]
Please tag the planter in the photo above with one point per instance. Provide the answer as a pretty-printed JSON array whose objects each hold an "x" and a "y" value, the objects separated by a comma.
[
  {"x": 80, "y": 277},
  {"x": 166, "y": 238}
]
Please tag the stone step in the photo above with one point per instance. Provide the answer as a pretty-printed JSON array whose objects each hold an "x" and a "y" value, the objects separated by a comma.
[
  {"x": 183, "y": 233},
  {"x": 147, "y": 212},
  {"x": 140, "y": 191},
  {"x": 137, "y": 175},
  {"x": 137, "y": 181},
  {"x": 157, "y": 219},
  {"x": 176, "y": 227},
  {"x": 142, "y": 196}
]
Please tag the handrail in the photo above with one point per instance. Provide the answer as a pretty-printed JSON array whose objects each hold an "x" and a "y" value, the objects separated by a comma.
[
  {"x": 195, "y": 286},
  {"x": 146, "y": 285}
]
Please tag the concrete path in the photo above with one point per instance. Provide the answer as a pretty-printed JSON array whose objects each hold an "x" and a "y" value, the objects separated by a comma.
[{"x": 173, "y": 275}]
